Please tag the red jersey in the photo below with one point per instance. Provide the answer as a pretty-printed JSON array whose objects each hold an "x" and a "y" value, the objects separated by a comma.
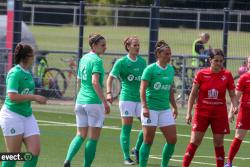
[
  {"x": 243, "y": 85},
  {"x": 212, "y": 92}
]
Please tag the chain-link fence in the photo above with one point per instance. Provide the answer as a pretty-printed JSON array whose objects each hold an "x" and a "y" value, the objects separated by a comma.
[{"x": 55, "y": 35}]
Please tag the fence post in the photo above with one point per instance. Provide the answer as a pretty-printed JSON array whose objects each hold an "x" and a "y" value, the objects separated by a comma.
[
  {"x": 116, "y": 18},
  {"x": 198, "y": 20},
  {"x": 18, "y": 17},
  {"x": 154, "y": 28},
  {"x": 32, "y": 19},
  {"x": 225, "y": 33},
  {"x": 81, "y": 30}
]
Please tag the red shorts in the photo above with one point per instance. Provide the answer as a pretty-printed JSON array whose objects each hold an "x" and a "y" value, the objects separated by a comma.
[
  {"x": 243, "y": 119},
  {"x": 219, "y": 125}
]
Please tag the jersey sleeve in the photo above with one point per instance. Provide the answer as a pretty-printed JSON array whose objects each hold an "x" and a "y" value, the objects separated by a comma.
[
  {"x": 240, "y": 84},
  {"x": 97, "y": 67},
  {"x": 116, "y": 70},
  {"x": 231, "y": 85},
  {"x": 13, "y": 82},
  {"x": 197, "y": 79},
  {"x": 146, "y": 75}
]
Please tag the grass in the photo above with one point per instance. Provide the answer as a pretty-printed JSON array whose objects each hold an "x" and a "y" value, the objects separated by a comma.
[
  {"x": 57, "y": 127},
  {"x": 180, "y": 39}
]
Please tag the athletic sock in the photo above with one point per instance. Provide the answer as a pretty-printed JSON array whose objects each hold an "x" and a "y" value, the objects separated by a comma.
[
  {"x": 90, "y": 150},
  {"x": 167, "y": 153},
  {"x": 74, "y": 147},
  {"x": 189, "y": 154},
  {"x": 220, "y": 156},
  {"x": 32, "y": 162},
  {"x": 234, "y": 148},
  {"x": 139, "y": 141},
  {"x": 8, "y": 163},
  {"x": 144, "y": 154},
  {"x": 125, "y": 140}
]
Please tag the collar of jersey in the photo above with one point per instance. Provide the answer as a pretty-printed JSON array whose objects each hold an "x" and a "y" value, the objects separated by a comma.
[
  {"x": 26, "y": 71},
  {"x": 132, "y": 59},
  {"x": 161, "y": 67}
]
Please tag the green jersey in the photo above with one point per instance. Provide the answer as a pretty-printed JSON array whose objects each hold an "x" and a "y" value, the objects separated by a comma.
[
  {"x": 130, "y": 73},
  {"x": 159, "y": 83},
  {"x": 19, "y": 81},
  {"x": 89, "y": 64}
]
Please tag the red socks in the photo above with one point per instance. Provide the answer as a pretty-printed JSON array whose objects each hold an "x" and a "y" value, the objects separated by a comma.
[
  {"x": 220, "y": 156},
  {"x": 234, "y": 148},
  {"x": 189, "y": 154}
]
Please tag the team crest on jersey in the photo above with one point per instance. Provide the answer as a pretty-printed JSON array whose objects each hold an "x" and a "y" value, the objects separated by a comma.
[
  {"x": 223, "y": 78},
  {"x": 213, "y": 94}
]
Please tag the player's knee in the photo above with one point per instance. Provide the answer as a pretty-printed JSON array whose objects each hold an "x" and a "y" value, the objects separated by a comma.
[
  {"x": 172, "y": 140},
  {"x": 35, "y": 150}
]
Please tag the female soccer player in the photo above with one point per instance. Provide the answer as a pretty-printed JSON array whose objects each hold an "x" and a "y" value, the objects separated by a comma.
[
  {"x": 17, "y": 121},
  {"x": 210, "y": 85},
  {"x": 242, "y": 124},
  {"x": 91, "y": 104},
  {"x": 156, "y": 93},
  {"x": 129, "y": 69}
]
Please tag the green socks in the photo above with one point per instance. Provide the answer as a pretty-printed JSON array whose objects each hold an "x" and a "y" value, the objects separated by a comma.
[
  {"x": 125, "y": 140},
  {"x": 32, "y": 162},
  {"x": 167, "y": 153},
  {"x": 139, "y": 141},
  {"x": 8, "y": 163},
  {"x": 74, "y": 147},
  {"x": 90, "y": 149},
  {"x": 144, "y": 154}
]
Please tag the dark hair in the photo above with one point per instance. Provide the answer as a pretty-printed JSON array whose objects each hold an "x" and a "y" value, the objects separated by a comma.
[
  {"x": 22, "y": 51},
  {"x": 216, "y": 52},
  {"x": 127, "y": 41},
  {"x": 160, "y": 46},
  {"x": 94, "y": 39}
]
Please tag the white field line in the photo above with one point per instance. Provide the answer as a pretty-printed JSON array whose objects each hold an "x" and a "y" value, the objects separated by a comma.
[{"x": 55, "y": 123}]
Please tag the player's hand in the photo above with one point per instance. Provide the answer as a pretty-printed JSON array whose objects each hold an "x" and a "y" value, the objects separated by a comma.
[
  {"x": 145, "y": 112},
  {"x": 106, "y": 106},
  {"x": 235, "y": 110},
  {"x": 40, "y": 99},
  {"x": 231, "y": 117},
  {"x": 188, "y": 118},
  {"x": 175, "y": 113},
  {"x": 109, "y": 98}
]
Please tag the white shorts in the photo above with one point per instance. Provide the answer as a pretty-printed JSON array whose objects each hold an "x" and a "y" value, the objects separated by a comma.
[
  {"x": 13, "y": 124},
  {"x": 130, "y": 109},
  {"x": 89, "y": 115},
  {"x": 158, "y": 118}
]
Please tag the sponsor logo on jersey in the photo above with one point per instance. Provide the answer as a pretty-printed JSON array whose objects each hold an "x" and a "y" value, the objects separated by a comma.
[
  {"x": 213, "y": 94},
  {"x": 157, "y": 85},
  {"x": 131, "y": 77}
]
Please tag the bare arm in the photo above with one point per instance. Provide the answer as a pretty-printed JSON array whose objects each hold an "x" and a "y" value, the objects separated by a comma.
[
  {"x": 173, "y": 103},
  {"x": 19, "y": 98},
  {"x": 235, "y": 97},
  {"x": 191, "y": 100},
  {"x": 98, "y": 90},
  {"x": 78, "y": 84},
  {"x": 109, "y": 88},
  {"x": 143, "y": 87}
]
